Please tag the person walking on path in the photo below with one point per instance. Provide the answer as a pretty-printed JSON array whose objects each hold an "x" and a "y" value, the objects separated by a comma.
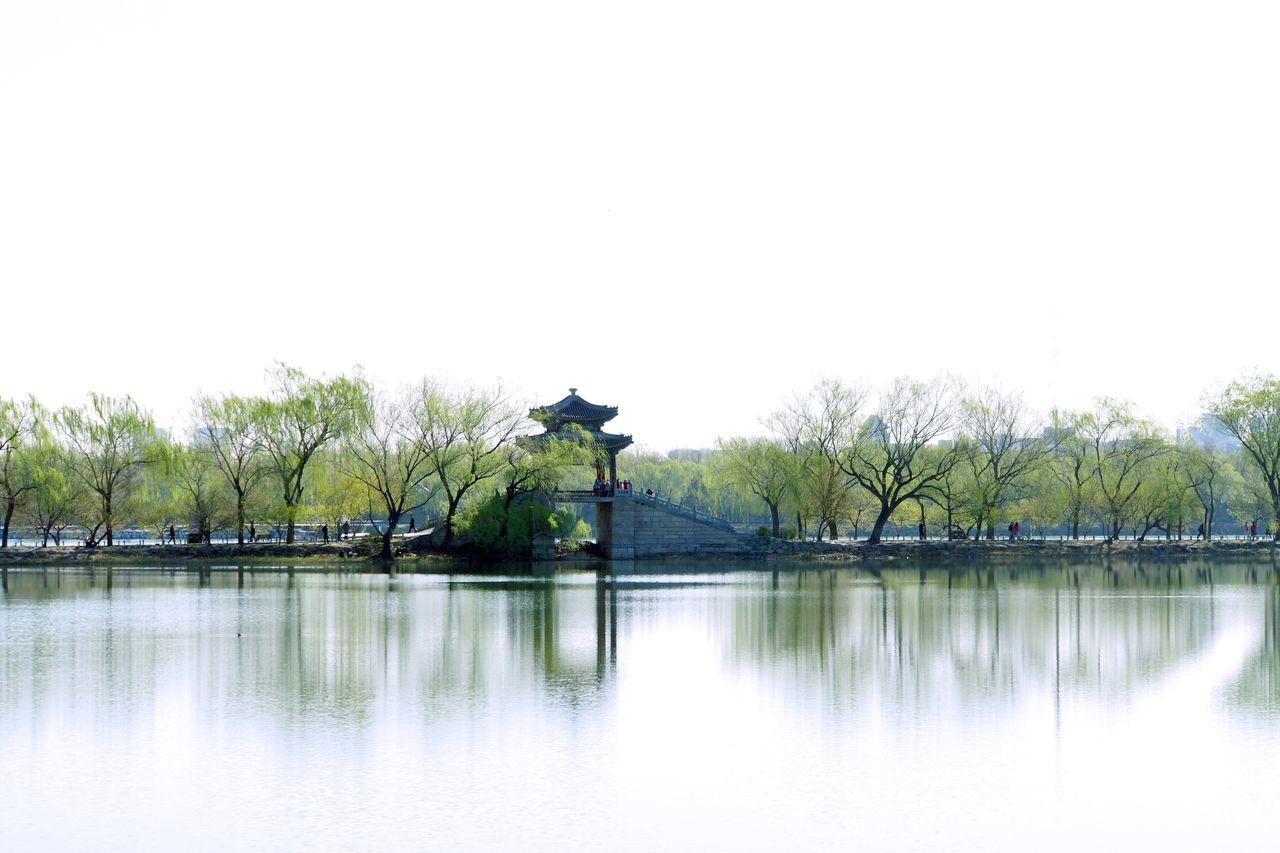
[
  {"x": 172, "y": 538},
  {"x": 253, "y": 534},
  {"x": 411, "y": 525},
  {"x": 324, "y": 533},
  {"x": 1200, "y": 531}
]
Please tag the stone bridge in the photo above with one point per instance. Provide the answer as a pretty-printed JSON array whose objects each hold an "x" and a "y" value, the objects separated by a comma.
[{"x": 632, "y": 525}]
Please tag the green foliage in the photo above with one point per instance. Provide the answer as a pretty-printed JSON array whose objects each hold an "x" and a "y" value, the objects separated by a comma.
[
  {"x": 110, "y": 440},
  {"x": 337, "y": 450},
  {"x": 1250, "y": 411},
  {"x": 303, "y": 415},
  {"x": 760, "y": 466},
  {"x": 495, "y": 525}
]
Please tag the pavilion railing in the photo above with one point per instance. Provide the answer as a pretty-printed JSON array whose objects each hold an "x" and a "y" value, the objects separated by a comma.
[{"x": 651, "y": 500}]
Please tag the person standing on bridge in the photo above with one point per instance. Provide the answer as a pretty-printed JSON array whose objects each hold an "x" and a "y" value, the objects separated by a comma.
[{"x": 411, "y": 523}]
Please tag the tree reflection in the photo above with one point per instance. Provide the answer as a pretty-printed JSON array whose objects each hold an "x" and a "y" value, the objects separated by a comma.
[{"x": 297, "y": 646}]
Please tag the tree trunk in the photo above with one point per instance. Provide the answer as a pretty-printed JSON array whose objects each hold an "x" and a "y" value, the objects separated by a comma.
[
  {"x": 448, "y": 522},
  {"x": 109, "y": 534},
  {"x": 878, "y": 528},
  {"x": 393, "y": 519},
  {"x": 1075, "y": 526},
  {"x": 288, "y": 531},
  {"x": 773, "y": 517},
  {"x": 239, "y": 518},
  {"x": 799, "y": 526},
  {"x": 8, "y": 516}
]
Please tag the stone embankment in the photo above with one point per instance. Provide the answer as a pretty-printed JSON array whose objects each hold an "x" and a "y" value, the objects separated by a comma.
[
  {"x": 316, "y": 551},
  {"x": 1091, "y": 550}
]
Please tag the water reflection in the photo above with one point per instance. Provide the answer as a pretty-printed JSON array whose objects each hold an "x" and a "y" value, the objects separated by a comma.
[
  {"x": 665, "y": 685},
  {"x": 296, "y": 644}
]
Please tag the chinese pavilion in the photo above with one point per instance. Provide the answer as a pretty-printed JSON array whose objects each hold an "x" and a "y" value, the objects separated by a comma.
[{"x": 575, "y": 411}]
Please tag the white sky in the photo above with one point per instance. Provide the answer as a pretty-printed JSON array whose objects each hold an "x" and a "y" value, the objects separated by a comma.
[{"x": 688, "y": 209}]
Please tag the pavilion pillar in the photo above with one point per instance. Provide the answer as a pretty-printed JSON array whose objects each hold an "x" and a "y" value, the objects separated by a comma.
[{"x": 613, "y": 469}]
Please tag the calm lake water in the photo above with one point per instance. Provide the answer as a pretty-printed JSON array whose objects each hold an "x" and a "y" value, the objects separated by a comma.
[{"x": 688, "y": 709}]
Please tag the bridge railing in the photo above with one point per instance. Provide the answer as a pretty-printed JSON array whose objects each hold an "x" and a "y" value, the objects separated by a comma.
[{"x": 652, "y": 500}]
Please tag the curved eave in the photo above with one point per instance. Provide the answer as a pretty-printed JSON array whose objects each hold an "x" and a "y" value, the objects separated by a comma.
[{"x": 612, "y": 442}]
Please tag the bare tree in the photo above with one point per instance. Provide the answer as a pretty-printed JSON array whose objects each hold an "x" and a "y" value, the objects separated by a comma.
[{"x": 891, "y": 457}]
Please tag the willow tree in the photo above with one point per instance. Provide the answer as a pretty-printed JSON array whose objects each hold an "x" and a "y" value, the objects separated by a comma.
[
  {"x": 894, "y": 455},
  {"x": 19, "y": 426},
  {"x": 225, "y": 426},
  {"x": 110, "y": 439},
  {"x": 1002, "y": 444},
  {"x": 302, "y": 415},
  {"x": 1250, "y": 411},
  {"x": 763, "y": 467},
  {"x": 202, "y": 489},
  {"x": 1208, "y": 475},
  {"x": 1119, "y": 446},
  {"x": 467, "y": 434},
  {"x": 536, "y": 464},
  {"x": 389, "y": 452},
  {"x": 1071, "y": 466},
  {"x": 814, "y": 426},
  {"x": 58, "y": 495}
]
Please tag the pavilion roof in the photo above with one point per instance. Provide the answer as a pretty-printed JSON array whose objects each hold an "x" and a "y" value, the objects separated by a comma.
[{"x": 574, "y": 409}]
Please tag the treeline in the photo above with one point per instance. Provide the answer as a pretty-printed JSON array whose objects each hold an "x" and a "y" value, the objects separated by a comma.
[
  {"x": 316, "y": 450},
  {"x": 935, "y": 455}
]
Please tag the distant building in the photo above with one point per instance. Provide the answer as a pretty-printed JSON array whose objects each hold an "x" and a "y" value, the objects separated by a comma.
[
  {"x": 691, "y": 454},
  {"x": 1208, "y": 432},
  {"x": 205, "y": 436}
]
